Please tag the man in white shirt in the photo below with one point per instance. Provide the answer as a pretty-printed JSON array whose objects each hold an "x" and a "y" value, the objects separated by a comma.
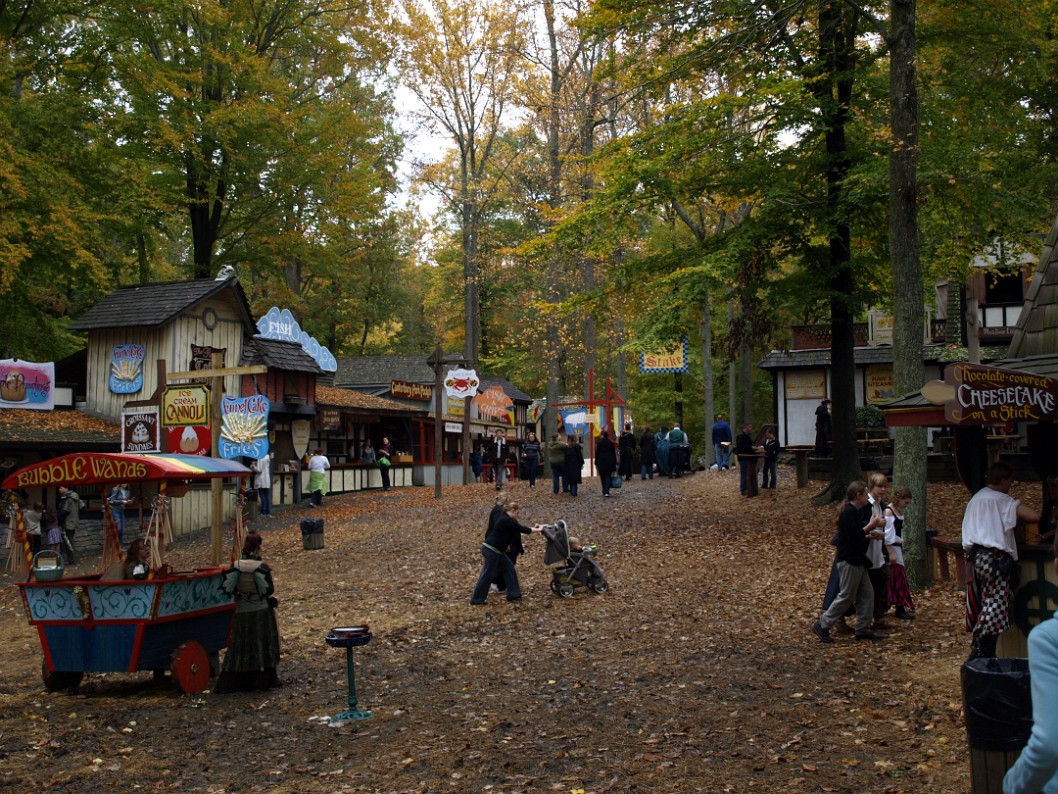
[{"x": 991, "y": 555}]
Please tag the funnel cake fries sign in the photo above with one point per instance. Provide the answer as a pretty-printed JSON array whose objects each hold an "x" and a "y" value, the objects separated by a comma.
[{"x": 244, "y": 427}]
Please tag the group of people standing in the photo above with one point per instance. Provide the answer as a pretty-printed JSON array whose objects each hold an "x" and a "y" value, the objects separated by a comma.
[{"x": 868, "y": 576}]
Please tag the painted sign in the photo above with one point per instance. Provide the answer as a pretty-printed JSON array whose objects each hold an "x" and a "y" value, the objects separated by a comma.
[
  {"x": 243, "y": 427},
  {"x": 494, "y": 405},
  {"x": 190, "y": 440},
  {"x": 879, "y": 327},
  {"x": 126, "y": 368},
  {"x": 453, "y": 427},
  {"x": 805, "y": 384},
  {"x": 461, "y": 383},
  {"x": 575, "y": 420},
  {"x": 281, "y": 325},
  {"x": 878, "y": 386},
  {"x": 140, "y": 430},
  {"x": 995, "y": 396},
  {"x": 185, "y": 405},
  {"x": 404, "y": 390},
  {"x": 300, "y": 430},
  {"x": 658, "y": 363},
  {"x": 24, "y": 384},
  {"x": 202, "y": 356},
  {"x": 83, "y": 469},
  {"x": 330, "y": 419},
  {"x": 453, "y": 407}
]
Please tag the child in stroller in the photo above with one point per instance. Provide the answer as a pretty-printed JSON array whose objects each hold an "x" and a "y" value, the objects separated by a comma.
[{"x": 571, "y": 564}]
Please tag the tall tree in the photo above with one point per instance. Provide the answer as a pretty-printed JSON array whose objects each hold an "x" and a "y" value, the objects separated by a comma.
[{"x": 460, "y": 60}]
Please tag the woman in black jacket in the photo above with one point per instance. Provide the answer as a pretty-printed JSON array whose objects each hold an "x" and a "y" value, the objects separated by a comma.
[
  {"x": 573, "y": 463},
  {"x": 646, "y": 454},
  {"x": 501, "y": 537},
  {"x": 605, "y": 460}
]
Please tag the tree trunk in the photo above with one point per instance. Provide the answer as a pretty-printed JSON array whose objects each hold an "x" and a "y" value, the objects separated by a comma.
[
  {"x": 835, "y": 43},
  {"x": 909, "y": 467},
  {"x": 707, "y": 377}
]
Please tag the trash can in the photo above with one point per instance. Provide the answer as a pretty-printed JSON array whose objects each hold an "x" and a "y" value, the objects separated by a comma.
[
  {"x": 997, "y": 701},
  {"x": 312, "y": 533}
]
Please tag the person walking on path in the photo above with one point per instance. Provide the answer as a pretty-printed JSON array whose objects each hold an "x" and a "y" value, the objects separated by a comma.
[
  {"x": 677, "y": 449},
  {"x": 646, "y": 455},
  {"x": 499, "y": 540},
  {"x": 70, "y": 506},
  {"x": 556, "y": 457},
  {"x": 626, "y": 445},
  {"x": 722, "y": 438},
  {"x": 385, "y": 461},
  {"x": 573, "y": 464},
  {"x": 992, "y": 557},
  {"x": 262, "y": 482},
  {"x": 771, "y": 459},
  {"x": 899, "y": 587},
  {"x": 856, "y": 528},
  {"x": 531, "y": 454},
  {"x": 318, "y": 466},
  {"x": 605, "y": 460},
  {"x": 498, "y": 457}
]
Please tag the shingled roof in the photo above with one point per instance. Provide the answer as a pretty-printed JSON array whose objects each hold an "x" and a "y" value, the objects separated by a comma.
[
  {"x": 332, "y": 397},
  {"x": 34, "y": 429},
  {"x": 278, "y": 354},
  {"x": 376, "y": 372},
  {"x": 153, "y": 305},
  {"x": 880, "y": 354},
  {"x": 1037, "y": 329}
]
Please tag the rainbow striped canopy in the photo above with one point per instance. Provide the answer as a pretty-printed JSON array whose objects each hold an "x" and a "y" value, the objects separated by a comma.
[{"x": 101, "y": 468}]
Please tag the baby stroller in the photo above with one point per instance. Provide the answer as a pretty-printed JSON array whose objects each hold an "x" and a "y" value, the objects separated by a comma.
[{"x": 571, "y": 566}]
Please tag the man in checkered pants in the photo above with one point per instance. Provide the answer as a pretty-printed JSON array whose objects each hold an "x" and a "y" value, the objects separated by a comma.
[{"x": 992, "y": 557}]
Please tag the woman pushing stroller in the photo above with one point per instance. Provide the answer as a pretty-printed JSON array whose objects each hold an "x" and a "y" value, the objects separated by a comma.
[{"x": 502, "y": 536}]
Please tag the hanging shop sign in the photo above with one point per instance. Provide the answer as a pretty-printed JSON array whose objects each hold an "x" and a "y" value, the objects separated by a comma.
[
  {"x": 330, "y": 419},
  {"x": 243, "y": 427},
  {"x": 402, "y": 389},
  {"x": 126, "y": 368},
  {"x": 658, "y": 363},
  {"x": 186, "y": 405},
  {"x": 974, "y": 394},
  {"x": 190, "y": 440},
  {"x": 878, "y": 386},
  {"x": 24, "y": 384},
  {"x": 140, "y": 430},
  {"x": 494, "y": 405},
  {"x": 461, "y": 383},
  {"x": 281, "y": 325}
]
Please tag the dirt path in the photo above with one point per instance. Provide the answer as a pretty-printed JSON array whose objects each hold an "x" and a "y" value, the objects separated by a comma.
[{"x": 697, "y": 672}]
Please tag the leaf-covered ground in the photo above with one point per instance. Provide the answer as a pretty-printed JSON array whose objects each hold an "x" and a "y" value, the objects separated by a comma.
[{"x": 696, "y": 672}]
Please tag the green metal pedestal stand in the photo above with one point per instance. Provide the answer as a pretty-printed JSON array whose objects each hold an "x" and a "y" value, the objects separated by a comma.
[{"x": 349, "y": 642}]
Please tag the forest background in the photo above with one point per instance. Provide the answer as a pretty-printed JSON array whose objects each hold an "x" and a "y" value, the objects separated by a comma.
[{"x": 608, "y": 176}]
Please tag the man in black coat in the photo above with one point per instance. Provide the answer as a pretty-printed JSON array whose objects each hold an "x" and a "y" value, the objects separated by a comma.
[
  {"x": 646, "y": 454},
  {"x": 498, "y": 456},
  {"x": 605, "y": 460},
  {"x": 627, "y": 445}
]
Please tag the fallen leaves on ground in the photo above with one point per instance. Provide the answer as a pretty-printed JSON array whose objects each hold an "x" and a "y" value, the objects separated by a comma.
[{"x": 696, "y": 672}]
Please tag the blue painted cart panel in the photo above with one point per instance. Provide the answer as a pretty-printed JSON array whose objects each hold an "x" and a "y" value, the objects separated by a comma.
[
  {"x": 102, "y": 649},
  {"x": 188, "y": 595},
  {"x": 122, "y": 601},
  {"x": 56, "y": 602},
  {"x": 161, "y": 639}
]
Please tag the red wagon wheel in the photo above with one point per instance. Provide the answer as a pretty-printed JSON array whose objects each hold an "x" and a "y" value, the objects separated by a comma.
[{"x": 190, "y": 667}]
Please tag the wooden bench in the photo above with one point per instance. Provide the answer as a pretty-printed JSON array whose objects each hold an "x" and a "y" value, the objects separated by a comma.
[{"x": 939, "y": 548}]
